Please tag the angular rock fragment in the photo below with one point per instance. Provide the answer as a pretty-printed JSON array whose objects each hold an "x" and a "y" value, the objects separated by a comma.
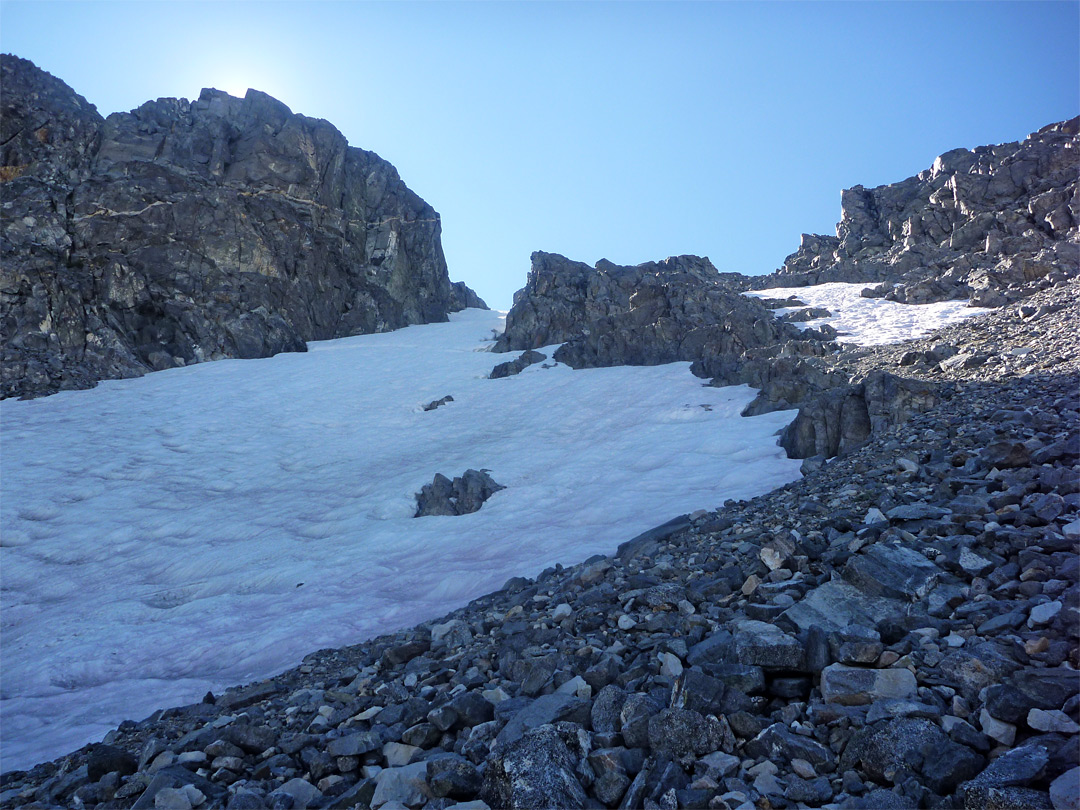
[{"x": 461, "y": 496}]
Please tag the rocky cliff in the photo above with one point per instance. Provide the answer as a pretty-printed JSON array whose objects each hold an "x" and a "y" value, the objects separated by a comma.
[
  {"x": 186, "y": 231},
  {"x": 983, "y": 224},
  {"x": 680, "y": 308}
]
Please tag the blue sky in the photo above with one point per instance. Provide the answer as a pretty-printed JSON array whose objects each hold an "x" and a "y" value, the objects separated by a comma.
[{"x": 626, "y": 131}]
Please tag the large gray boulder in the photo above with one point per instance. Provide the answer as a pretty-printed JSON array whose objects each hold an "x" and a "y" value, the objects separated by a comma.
[
  {"x": 535, "y": 771},
  {"x": 186, "y": 231}
]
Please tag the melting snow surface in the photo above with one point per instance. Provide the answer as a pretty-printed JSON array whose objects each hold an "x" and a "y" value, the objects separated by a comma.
[
  {"x": 211, "y": 525},
  {"x": 870, "y": 321}
]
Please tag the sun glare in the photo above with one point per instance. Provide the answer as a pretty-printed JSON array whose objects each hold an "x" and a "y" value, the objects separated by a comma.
[{"x": 235, "y": 88}]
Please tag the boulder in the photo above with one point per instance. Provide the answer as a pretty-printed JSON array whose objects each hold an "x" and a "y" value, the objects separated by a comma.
[
  {"x": 855, "y": 686},
  {"x": 535, "y": 771},
  {"x": 461, "y": 496}
]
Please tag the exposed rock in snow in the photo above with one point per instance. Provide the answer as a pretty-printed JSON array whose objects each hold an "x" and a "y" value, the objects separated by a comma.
[{"x": 462, "y": 496}]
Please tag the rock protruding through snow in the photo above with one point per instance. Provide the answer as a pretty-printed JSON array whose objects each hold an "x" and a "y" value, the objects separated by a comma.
[{"x": 461, "y": 496}]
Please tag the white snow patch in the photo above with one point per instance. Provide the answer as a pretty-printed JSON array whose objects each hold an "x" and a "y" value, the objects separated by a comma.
[
  {"x": 211, "y": 525},
  {"x": 870, "y": 321}
]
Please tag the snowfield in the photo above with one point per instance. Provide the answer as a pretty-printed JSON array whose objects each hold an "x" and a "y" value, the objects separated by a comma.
[
  {"x": 207, "y": 526},
  {"x": 870, "y": 321}
]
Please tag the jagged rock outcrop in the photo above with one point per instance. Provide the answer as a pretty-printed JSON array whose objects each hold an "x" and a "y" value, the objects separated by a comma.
[
  {"x": 461, "y": 496},
  {"x": 462, "y": 297},
  {"x": 981, "y": 224},
  {"x": 186, "y": 231},
  {"x": 517, "y": 365},
  {"x": 659, "y": 312}
]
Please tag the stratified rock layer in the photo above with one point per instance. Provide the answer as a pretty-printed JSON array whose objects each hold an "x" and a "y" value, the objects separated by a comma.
[
  {"x": 982, "y": 224},
  {"x": 189, "y": 231}
]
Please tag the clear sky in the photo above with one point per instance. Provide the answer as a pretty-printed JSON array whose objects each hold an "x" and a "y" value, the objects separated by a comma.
[{"x": 626, "y": 131}]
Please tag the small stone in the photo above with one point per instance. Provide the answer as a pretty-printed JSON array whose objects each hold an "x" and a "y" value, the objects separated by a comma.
[
  {"x": 973, "y": 564},
  {"x": 765, "y": 645},
  {"x": 874, "y": 515},
  {"x": 398, "y": 754},
  {"x": 768, "y": 785},
  {"x": 407, "y": 785},
  {"x": 302, "y": 792},
  {"x": 354, "y": 744},
  {"x": 1004, "y": 733},
  {"x": 854, "y": 686},
  {"x": 670, "y": 665},
  {"x": 1034, "y": 646},
  {"x": 803, "y": 768},
  {"x": 626, "y": 623},
  {"x": 1052, "y": 721},
  {"x": 172, "y": 799},
  {"x": 887, "y": 658},
  {"x": 576, "y": 686},
  {"x": 563, "y": 611},
  {"x": 1043, "y": 614},
  {"x": 722, "y": 764},
  {"x": 1065, "y": 790}
]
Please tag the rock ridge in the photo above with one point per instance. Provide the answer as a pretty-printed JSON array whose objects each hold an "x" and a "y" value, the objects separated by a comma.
[
  {"x": 981, "y": 224},
  {"x": 186, "y": 231}
]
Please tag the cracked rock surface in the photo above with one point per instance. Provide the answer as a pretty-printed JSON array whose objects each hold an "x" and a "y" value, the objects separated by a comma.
[{"x": 186, "y": 231}]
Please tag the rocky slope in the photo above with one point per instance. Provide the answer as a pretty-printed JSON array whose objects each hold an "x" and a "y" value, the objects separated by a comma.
[
  {"x": 898, "y": 629},
  {"x": 981, "y": 224},
  {"x": 190, "y": 231}
]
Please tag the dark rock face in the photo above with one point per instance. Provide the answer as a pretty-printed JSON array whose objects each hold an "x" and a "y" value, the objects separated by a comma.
[
  {"x": 843, "y": 417},
  {"x": 190, "y": 231},
  {"x": 463, "y": 495},
  {"x": 517, "y": 365},
  {"x": 984, "y": 223},
  {"x": 659, "y": 312},
  {"x": 461, "y": 297}
]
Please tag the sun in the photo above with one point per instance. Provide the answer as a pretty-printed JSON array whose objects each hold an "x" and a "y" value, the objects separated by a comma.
[{"x": 235, "y": 87}]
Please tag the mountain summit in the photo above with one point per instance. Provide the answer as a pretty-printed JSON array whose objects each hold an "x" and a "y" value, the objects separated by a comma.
[{"x": 186, "y": 231}]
